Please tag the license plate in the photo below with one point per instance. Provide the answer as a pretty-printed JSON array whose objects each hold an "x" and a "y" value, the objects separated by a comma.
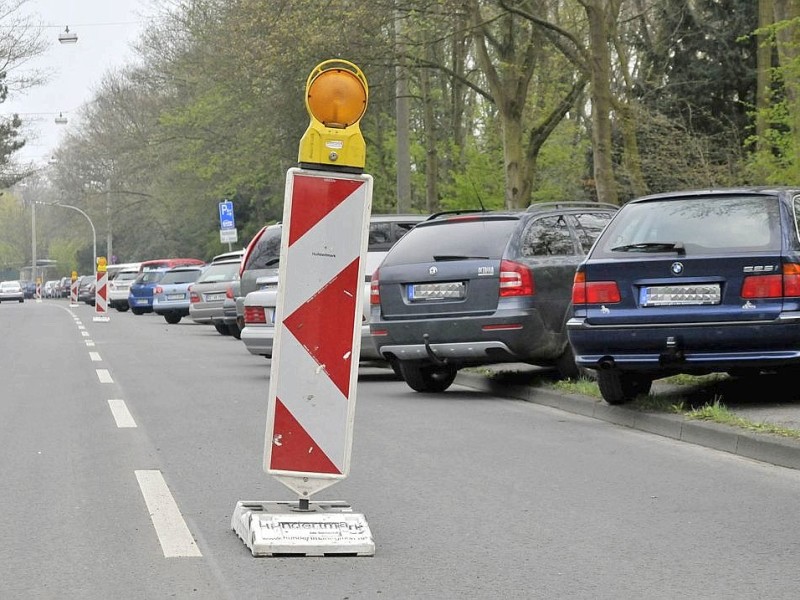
[
  {"x": 449, "y": 290},
  {"x": 176, "y": 296},
  {"x": 680, "y": 295},
  {"x": 140, "y": 301},
  {"x": 215, "y": 297}
]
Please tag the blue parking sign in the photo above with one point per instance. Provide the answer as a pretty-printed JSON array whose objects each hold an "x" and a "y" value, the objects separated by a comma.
[{"x": 226, "y": 220}]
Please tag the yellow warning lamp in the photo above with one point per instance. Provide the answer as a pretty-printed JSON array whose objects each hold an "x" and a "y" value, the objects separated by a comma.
[
  {"x": 101, "y": 264},
  {"x": 336, "y": 99},
  {"x": 74, "y": 276}
]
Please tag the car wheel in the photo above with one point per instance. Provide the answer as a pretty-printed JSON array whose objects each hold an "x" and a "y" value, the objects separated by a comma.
[
  {"x": 619, "y": 387},
  {"x": 222, "y": 328},
  {"x": 137, "y": 311},
  {"x": 427, "y": 378},
  {"x": 233, "y": 329},
  {"x": 172, "y": 319}
]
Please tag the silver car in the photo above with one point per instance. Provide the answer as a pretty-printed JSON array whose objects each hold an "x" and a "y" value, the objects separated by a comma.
[
  {"x": 12, "y": 291},
  {"x": 207, "y": 294}
]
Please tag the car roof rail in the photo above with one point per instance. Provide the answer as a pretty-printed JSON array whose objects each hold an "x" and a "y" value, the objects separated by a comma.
[
  {"x": 536, "y": 206},
  {"x": 456, "y": 211}
]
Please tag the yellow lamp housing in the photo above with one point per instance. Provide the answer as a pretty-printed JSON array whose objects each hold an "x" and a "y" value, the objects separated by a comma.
[
  {"x": 336, "y": 99},
  {"x": 102, "y": 264}
]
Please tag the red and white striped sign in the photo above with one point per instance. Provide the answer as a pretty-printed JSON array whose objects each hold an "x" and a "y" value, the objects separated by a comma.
[
  {"x": 101, "y": 293},
  {"x": 73, "y": 292},
  {"x": 317, "y": 341}
]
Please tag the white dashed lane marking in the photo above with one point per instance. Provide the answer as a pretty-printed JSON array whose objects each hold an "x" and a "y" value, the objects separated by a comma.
[
  {"x": 95, "y": 356},
  {"x": 173, "y": 534},
  {"x": 104, "y": 376},
  {"x": 121, "y": 413}
]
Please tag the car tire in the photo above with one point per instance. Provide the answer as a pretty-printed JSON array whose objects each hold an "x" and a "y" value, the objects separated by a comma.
[
  {"x": 137, "y": 311},
  {"x": 619, "y": 387},
  {"x": 233, "y": 329},
  {"x": 172, "y": 319},
  {"x": 422, "y": 377},
  {"x": 221, "y": 328}
]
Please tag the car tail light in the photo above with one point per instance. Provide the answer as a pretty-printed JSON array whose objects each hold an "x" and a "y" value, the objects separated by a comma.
[
  {"x": 786, "y": 284},
  {"x": 374, "y": 289},
  {"x": 593, "y": 292},
  {"x": 193, "y": 296},
  {"x": 158, "y": 290},
  {"x": 515, "y": 280},
  {"x": 255, "y": 315},
  {"x": 791, "y": 279},
  {"x": 229, "y": 293},
  {"x": 762, "y": 286}
]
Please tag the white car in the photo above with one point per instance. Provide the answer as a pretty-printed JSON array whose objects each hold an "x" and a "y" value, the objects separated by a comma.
[
  {"x": 119, "y": 286},
  {"x": 12, "y": 290}
]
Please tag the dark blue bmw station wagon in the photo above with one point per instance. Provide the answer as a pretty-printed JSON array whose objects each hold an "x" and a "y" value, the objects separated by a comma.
[{"x": 690, "y": 282}]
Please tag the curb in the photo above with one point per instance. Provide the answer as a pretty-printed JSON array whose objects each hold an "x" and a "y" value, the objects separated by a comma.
[{"x": 763, "y": 447}]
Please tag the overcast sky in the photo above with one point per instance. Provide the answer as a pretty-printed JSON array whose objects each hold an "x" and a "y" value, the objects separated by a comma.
[{"x": 106, "y": 29}]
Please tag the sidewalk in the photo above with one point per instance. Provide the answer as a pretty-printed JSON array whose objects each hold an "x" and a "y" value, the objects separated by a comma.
[{"x": 755, "y": 401}]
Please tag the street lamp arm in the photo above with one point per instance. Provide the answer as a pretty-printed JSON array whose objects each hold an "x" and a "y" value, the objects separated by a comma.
[{"x": 94, "y": 231}]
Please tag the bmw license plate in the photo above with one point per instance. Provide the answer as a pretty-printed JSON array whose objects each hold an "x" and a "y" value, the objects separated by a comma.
[
  {"x": 215, "y": 297},
  {"x": 680, "y": 295}
]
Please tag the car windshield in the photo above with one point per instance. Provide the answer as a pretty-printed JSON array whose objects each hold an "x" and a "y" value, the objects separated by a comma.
[
  {"x": 217, "y": 272},
  {"x": 695, "y": 225}
]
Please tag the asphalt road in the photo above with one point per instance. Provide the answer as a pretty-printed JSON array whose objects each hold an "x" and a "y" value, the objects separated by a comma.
[{"x": 468, "y": 494}]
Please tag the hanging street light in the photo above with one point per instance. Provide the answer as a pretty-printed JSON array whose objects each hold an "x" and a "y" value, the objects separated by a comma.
[{"x": 67, "y": 36}]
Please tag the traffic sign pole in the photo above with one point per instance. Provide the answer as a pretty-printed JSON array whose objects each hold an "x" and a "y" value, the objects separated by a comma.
[{"x": 314, "y": 369}]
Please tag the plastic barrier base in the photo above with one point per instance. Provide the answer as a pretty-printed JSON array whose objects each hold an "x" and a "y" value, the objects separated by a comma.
[{"x": 287, "y": 529}]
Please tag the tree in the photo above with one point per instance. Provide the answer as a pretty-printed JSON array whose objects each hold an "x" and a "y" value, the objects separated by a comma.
[{"x": 20, "y": 40}]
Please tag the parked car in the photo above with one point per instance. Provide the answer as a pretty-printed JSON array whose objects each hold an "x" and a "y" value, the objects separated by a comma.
[
  {"x": 86, "y": 289},
  {"x": 258, "y": 333},
  {"x": 259, "y": 269},
  {"x": 28, "y": 288},
  {"x": 228, "y": 318},
  {"x": 171, "y": 293},
  {"x": 119, "y": 287},
  {"x": 12, "y": 291},
  {"x": 478, "y": 288},
  {"x": 208, "y": 293},
  {"x": 140, "y": 294},
  {"x": 691, "y": 282},
  {"x": 64, "y": 285},
  {"x": 50, "y": 289}
]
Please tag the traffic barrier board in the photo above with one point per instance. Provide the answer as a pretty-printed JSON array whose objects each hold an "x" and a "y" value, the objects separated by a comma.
[{"x": 317, "y": 329}]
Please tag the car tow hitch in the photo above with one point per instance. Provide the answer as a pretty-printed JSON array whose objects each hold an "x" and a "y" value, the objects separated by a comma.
[{"x": 439, "y": 361}]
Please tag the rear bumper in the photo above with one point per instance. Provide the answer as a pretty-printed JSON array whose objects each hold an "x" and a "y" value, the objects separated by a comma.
[
  {"x": 506, "y": 337},
  {"x": 687, "y": 347},
  {"x": 258, "y": 340}
]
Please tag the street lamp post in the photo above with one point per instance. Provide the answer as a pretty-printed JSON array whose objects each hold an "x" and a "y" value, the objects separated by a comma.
[{"x": 94, "y": 231}]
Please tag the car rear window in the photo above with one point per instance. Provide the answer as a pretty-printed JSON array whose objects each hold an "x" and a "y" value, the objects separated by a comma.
[
  {"x": 701, "y": 224},
  {"x": 266, "y": 252},
  {"x": 217, "y": 272},
  {"x": 456, "y": 238},
  {"x": 182, "y": 276}
]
